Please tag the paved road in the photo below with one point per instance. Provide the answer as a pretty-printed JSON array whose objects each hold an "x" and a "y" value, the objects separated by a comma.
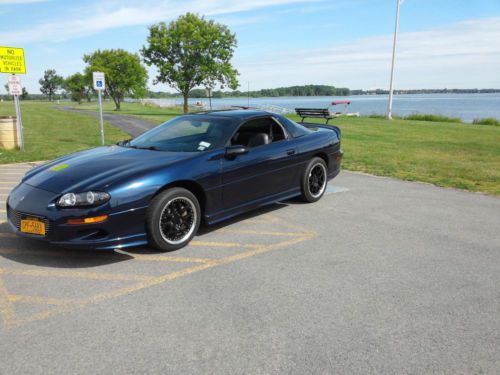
[
  {"x": 133, "y": 126},
  {"x": 380, "y": 276}
]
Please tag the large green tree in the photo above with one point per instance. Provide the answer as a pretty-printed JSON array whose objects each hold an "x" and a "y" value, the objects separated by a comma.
[
  {"x": 124, "y": 73},
  {"x": 50, "y": 83},
  {"x": 76, "y": 86},
  {"x": 191, "y": 51}
]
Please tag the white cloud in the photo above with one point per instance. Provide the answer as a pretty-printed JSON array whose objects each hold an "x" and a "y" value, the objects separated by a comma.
[
  {"x": 112, "y": 15},
  {"x": 465, "y": 54}
]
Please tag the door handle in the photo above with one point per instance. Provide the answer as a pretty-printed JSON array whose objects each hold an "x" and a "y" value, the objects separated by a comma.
[{"x": 290, "y": 152}]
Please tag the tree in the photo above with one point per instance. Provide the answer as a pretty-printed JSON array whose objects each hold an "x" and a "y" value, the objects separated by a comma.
[
  {"x": 50, "y": 83},
  {"x": 124, "y": 73},
  {"x": 190, "y": 52},
  {"x": 76, "y": 86},
  {"x": 24, "y": 94}
]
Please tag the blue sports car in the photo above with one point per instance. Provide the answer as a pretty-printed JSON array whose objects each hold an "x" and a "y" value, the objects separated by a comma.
[{"x": 158, "y": 187}]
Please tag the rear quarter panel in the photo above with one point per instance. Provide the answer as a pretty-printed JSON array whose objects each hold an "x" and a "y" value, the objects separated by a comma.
[{"x": 324, "y": 141}]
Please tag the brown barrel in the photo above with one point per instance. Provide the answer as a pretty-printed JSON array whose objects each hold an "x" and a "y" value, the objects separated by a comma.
[{"x": 8, "y": 132}]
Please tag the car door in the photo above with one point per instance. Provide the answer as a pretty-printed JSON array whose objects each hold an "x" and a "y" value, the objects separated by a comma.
[{"x": 264, "y": 171}]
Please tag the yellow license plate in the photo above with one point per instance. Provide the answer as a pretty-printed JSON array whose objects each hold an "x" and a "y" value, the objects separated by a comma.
[{"x": 33, "y": 227}]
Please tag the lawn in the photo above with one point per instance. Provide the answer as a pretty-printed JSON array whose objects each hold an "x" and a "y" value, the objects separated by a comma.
[
  {"x": 445, "y": 154},
  {"x": 49, "y": 132}
]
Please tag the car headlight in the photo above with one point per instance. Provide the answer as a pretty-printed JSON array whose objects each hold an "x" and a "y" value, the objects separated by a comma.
[{"x": 87, "y": 199}]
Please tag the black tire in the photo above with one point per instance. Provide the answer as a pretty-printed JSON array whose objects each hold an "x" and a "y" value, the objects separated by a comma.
[
  {"x": 172, "y": 219},
  {"x": 314, "y": 180}
]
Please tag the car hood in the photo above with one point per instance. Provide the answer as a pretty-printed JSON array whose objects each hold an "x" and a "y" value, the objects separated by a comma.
[{"x": 99, "y": 168}]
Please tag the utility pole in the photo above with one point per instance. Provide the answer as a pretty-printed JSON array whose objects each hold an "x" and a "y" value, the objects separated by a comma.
[{"x": 389, "y": 109}]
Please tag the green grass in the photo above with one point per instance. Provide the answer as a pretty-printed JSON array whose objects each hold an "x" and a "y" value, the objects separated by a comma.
[
  {"x": 442, "y": 153},
  {"x": 50, "y": 133},
  {"x": 486, "y": 121}
]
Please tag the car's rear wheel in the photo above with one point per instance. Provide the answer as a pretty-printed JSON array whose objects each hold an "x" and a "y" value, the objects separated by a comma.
[
  {"x": 172, "y": 219},
  {"x": 314, "y": 180}
]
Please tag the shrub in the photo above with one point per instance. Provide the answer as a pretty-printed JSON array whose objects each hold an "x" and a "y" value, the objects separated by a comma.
[
  {"x": 486, "y": 121},
  {"x": 433, "y": 118},
  {"x": 374, "y": 115},
  {"x": 382, "y": 117}
]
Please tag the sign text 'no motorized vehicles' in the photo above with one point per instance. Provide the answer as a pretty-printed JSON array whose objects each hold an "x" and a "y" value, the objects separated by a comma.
[{"x": 12, "y": 60}]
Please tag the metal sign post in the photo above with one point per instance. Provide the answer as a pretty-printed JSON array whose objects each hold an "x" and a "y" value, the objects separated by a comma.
[
  {"x": 99, "y": 85},
  {"x": 16, "y": 89},
  {"x": 12, "y": 62}
]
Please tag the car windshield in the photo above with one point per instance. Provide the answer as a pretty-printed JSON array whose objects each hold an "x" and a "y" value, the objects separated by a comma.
[{"x": 192, "y": 133}]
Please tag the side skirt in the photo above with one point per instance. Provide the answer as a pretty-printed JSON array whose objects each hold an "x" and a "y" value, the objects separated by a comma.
[{"x": 232, "y": 212}]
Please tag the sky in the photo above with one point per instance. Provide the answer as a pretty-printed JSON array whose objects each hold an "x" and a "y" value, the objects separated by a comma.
[{"x": 344, "y": 43}]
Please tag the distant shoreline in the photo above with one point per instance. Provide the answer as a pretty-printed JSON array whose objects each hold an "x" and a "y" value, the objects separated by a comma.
[
  {"x": 313, "y": 91},
  {"x": 327, "y": 96},
  {"x": 398, "y": 92}
]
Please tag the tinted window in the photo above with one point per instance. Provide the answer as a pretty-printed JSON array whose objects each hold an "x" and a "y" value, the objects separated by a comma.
[
  {"x": 296, "y": 130},
  {"x": 253, "y": 128},
  {"x": 187, "y": 134}
]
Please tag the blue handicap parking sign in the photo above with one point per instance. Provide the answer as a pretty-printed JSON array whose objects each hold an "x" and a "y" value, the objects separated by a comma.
[{"x": 98, "y": 83}]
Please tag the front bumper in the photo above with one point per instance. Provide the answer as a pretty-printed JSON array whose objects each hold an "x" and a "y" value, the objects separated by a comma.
[{"x": 124, "y": 227}]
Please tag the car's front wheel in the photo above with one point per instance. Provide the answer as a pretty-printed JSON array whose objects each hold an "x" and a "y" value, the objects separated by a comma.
[
  {"x": 172, "y": 219},
  {"x": 314, "y": 180}
]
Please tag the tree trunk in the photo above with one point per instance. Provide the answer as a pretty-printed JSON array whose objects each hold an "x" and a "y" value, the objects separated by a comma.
[
  {"x": 116, "y": 99},
  {"x": 185, "y": 106}
]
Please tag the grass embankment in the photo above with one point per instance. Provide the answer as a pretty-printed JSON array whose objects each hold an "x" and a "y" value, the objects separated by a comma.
[
  {"x": 50, "y": 133},
  {"x": 447, "y": 154}
]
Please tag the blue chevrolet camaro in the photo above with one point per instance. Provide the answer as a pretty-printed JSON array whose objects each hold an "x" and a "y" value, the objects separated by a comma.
[{"x": 158, "y": 187}]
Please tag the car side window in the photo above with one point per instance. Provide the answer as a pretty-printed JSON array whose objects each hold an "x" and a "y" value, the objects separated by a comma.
[{"x": 258, "y": 132}]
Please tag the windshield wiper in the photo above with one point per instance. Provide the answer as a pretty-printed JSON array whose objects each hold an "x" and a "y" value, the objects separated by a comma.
[
  {"x": 124, "y": 143},
  {"x": 153, "y": 148}
]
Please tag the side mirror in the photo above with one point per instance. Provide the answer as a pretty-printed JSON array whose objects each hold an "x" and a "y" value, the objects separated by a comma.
[{"x": 233, "y": 151}]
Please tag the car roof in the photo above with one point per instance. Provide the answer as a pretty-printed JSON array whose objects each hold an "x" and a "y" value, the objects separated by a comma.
[{"x": 240, "y": 114}]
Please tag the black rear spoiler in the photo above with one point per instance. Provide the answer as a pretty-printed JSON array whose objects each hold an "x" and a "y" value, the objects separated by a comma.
[{"x": 336, "y": 129}]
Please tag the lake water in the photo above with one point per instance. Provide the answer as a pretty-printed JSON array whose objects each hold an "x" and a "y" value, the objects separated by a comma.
[{"x": 465, "y": 106}]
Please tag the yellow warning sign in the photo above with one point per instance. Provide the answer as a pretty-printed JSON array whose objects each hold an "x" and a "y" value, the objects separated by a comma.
[{"x": 12, "y": 60}]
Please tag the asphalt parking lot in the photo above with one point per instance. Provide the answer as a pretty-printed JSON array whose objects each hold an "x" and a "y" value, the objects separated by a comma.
[{"x": 380, "y": 276}]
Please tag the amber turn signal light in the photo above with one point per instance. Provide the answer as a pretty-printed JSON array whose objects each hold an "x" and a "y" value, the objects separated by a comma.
[{"x": 88, "y": 220}]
